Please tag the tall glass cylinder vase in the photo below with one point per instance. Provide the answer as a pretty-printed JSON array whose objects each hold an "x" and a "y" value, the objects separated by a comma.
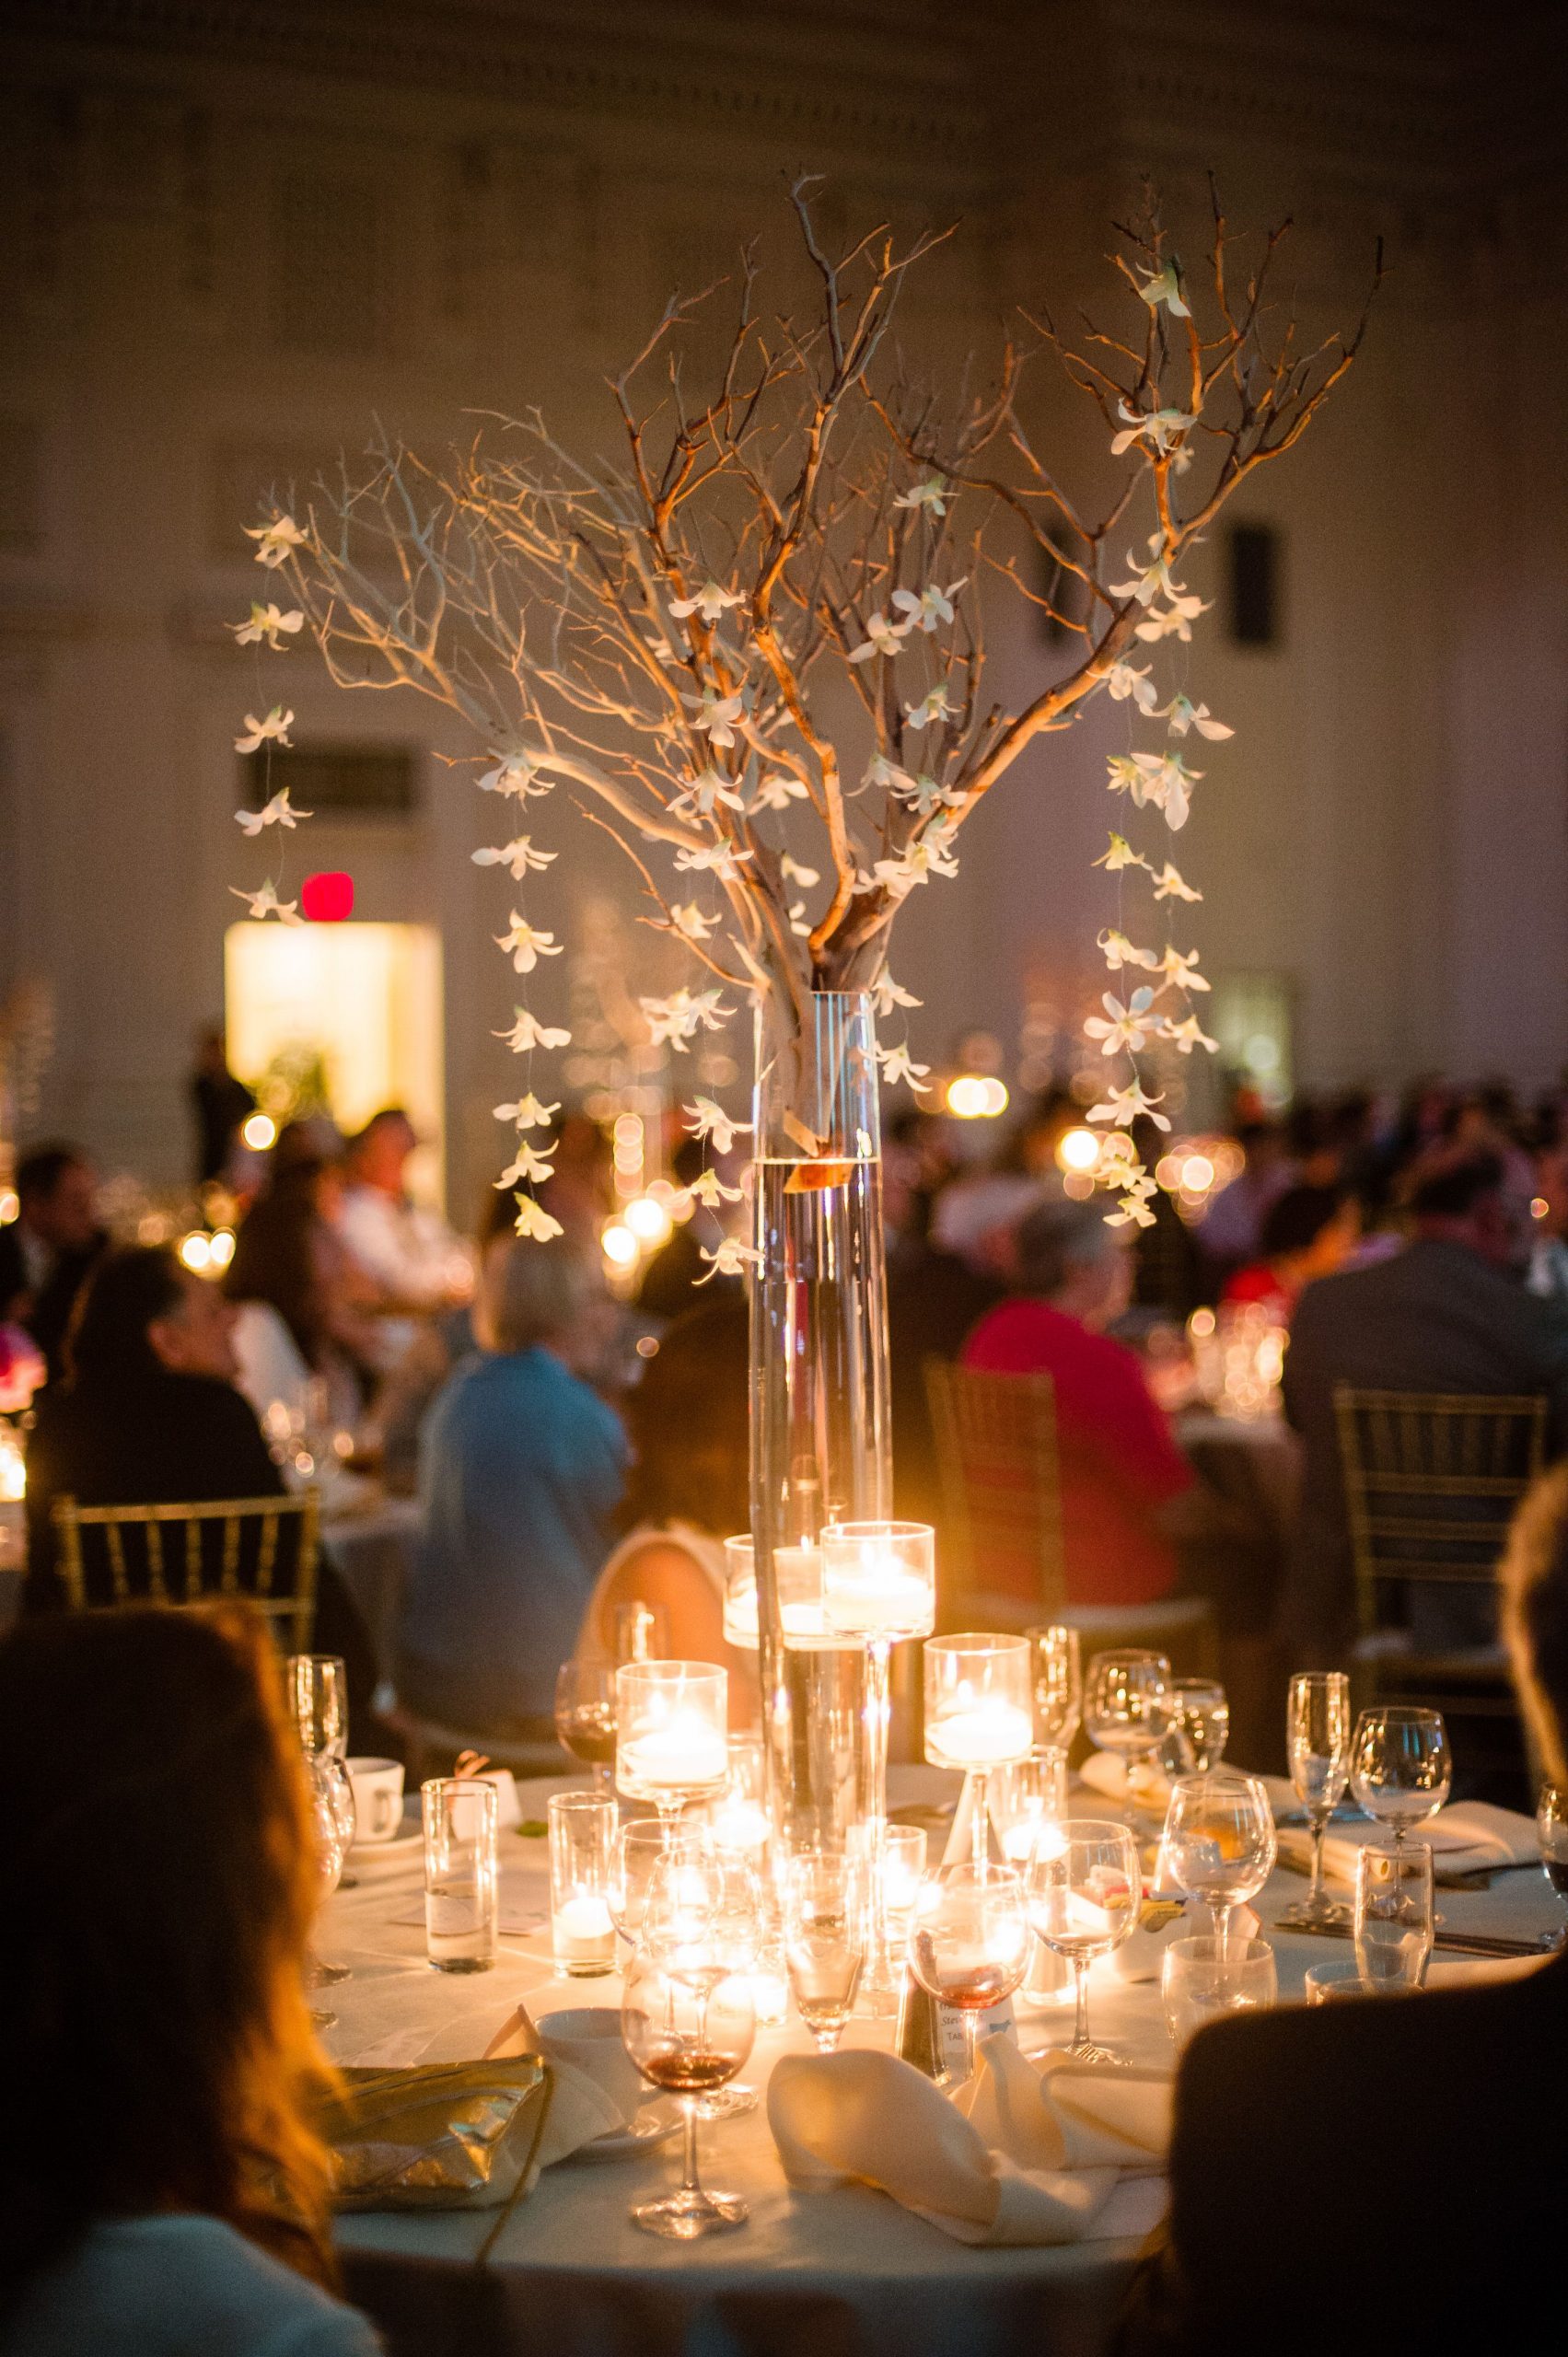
[{"x": 820, "y": 1428}]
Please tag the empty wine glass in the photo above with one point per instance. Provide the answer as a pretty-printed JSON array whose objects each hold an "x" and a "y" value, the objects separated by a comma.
[
  {"x": 1058, "y": 1686},
  {"x": 688, "y": 2021},
  {"x": 1551, "y": 1832},
  {"x": 1394, "y": 1916},
  {"x": 1219, "y": 1843},
  {"x": 1127, "y": 1708},
  {"x": 316, "y": 1686},
  {"x": 1200, "y": 1728},
  {"x": 825, "y": 1901},
  {"x": 584, "y": 1716},
  {"x": 969, "y": 1943},
  {"x": 1401, "y": 1769},
  {"x": 1318, "y": 1746},
  {"x": 641, "y": 1847},
  {"x": 327, "y": 1834},
  {"x": 1083, "y": 1892}
]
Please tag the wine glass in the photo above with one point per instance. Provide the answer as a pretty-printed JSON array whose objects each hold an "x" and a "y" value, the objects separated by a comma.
[
  {"x": 1059, "y": 1686},
  {"x": 316, "y": 1687},
  {"x": 1394, "y": 1916},
  {"x": 1127, "y": 1707},
  {"x": 328, "y": 1838},
  {"x": 1401, "y": 1769},
  {"x": 1317, "y": 1744},
  {"x": 732, "y": 1895},
  {"x": 688, "y": 2020},
  {"x": 1083, "y": 1892},
  {"x": 640, "y": 1848},
  {"x": 1551, "y": 1832},
  {"x": 825, "y": 1901},
  {"x": 333, "y": 1769},
  {"x": 641, "y": 1632},
  {"x": 1200, "y": 1726},
  {"x": 1219, "y": 1843},
  {"x": 584, "y": 1716},
  {"x": 968, "y": 1944}
]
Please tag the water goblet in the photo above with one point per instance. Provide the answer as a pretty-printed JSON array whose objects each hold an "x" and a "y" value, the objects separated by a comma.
[
  {"x": 1219, "y": 1843},
  {"x": 584, "y": 1716},
  {"x": 1317, "y": 1729},
  {"x": 1084, "y": 1891},
  {"x": 1200, "y": 1723},
  {"x": 1127, "y": 1708},
  {"x": 1551, "y": 1832},
  {"x": 1394, "y": 1916},
  {"x": 1202, "y": 1980},
  {"x": 688, "y": 2020},
  {"x": 825, "y": 1928},
  {"x": 969, "y": 1943},
  {"x": 1401, "y": 1767}
]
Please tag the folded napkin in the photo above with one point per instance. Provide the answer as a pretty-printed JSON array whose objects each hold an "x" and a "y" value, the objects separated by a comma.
[
  {"x": 1106, "y": 1773},
  {"x": 1034, "y": 2162},
  {"x": 1466, "y": 1839},
  {"x": 580, "y": 2108}
]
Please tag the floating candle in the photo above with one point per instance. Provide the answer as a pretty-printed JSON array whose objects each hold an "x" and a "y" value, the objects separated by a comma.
[{"x": 986, "y": 1732}]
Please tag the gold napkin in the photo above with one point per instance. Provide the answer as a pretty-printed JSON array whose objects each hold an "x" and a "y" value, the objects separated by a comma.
[{"x": 443, "y": 2136}]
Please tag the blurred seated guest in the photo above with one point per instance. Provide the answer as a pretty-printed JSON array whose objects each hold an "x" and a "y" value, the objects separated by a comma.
[
  {"x": 522, "y": 1467},
  {"x": 220, "y": 1103},
  {"x": 1448, "y": 1314},
  {"x": 162, "y": 2187},
  {"x": 416, "y": 1264},
  {"x": 1307, "y": 1233},
  {"x": 1120, "y": 1468},
  {"x": 50, "y": 1246},
  {"x": 687, "y": 1493},
  {"x": 1459, "y": 2079},
  {"x": 579, "y": 1191},
  {"x": 149, "y": 1415},
  {"x": 1547, "y": 1273},
  {"x": 297, "y": 1325},
  {"x": 1234, "y": 1221},
  {"x": 668, "y": 1284}
]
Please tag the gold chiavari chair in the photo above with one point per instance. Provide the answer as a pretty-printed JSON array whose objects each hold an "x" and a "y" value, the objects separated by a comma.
[{"x": 263, "y": 1550}]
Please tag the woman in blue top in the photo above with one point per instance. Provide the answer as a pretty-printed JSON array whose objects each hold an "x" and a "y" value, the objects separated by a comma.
[
  {"x": 162, "y": 2190},
  {"x": 521, "y": 1467}
]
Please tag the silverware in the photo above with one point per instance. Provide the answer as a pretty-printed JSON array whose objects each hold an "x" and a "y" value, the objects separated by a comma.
[{"x": 1461, "y": 1943}]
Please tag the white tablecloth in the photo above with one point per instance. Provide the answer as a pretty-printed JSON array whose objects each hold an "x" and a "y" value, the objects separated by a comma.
[{"x": 844, "y": 2274}]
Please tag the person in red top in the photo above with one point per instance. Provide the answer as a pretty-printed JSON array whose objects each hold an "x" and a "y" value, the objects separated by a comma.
[
  {"x": 1120, "y": 1463},
  {"x": 1308, "y": 1232}
]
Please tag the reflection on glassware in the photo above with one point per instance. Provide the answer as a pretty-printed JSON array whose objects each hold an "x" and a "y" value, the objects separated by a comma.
[
  {"x": 689, "y": 2024},
  {"x": 672, "y": 1719},
  {"x": 1551, "y": 1832},
  {"x": 1394, "y": 1916},
  {"x": 1318, "y": 1746},
  {"x": 1401, "y": 1769},
  {"x": 1219, "y": 1843},
  {"x": 904, "y": 1868},
  {"x": 969, "y": 1943},
  {"x": 641, "y": 1632},
  {"x": 1200, "y": 1980},
  {"x": 582, "y": 1841},
  {"x": 1199, "y": 1728},
  {"x": 1083, "y": 1890},
  {"x": 640, "y": 1848},
  {"x": 462, "y": 1882},
  {"x": 798, "y": 1571},
  {"x": 584, "y": 1716},
  {"x": 824, "y": 1894},
  {"x": 739, "y": 1818},
  {"x": 1127, "y": 1708}
]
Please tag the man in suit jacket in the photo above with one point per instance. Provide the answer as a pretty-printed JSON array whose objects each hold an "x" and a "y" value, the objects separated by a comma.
[
  {"x": 1448, "y": 1313},
  {"x": 1385, "y": 2173},
  {"x": 50, "y": 1246}
]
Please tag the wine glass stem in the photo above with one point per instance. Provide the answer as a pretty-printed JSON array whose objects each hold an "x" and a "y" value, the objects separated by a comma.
[
  {"x": 690, "y": 2182},
  {"x": 1314, "y": 1888},
  {"x": 971, "y": 2042},
  {"x": 1080, "y": 1990},
  {"x": 1222, "y": 1915},
  {"x": 979, "y": 1819}
]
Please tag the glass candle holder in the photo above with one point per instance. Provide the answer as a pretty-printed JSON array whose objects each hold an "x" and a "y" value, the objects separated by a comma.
[
  {"x": 582, "y": 1848},
  {"x": 740, "y": 1824},
  {"x": 979, "y": 1712},
  {"x": 673, "y": 1723},
  {"x": 798, "y": 1571},
  {"x": 1025, "y": 1797},
  {"x": 462, "y": 1876}
]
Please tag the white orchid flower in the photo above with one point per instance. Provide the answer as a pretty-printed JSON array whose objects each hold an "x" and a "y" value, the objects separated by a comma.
[
  {"x": 799, "y": 922},
  {"x": 709, "y": 1189},
  {"x": 1172, "y": 621},
  {"x": 266, "y": 903},
  {"x": 1166, "y": 781},
  {"x": 517, "y": 856},
  {"x": 932, "y": 494},
  {"x": 1118, "y": 951},
  {"x": 528, "y": 1032},
  {"x": 704, "y": 791},
  {"x": 534, "y": 1220},
  {"x": 1169, "y": 886},
  {"x": 1123, "y": 1026},
  {"x": 896, "y": 1064},
  {"x": 929, "y": 854},
  {"x": 706, "y": 1120},
  {"x": 1165, "y": 287},
  {"x": 776, "y": 791},
  {"x": 927, "y": 606},
  {"x": 1120, "y": 855},
  {"x": 514, "y": 773},
  {"x": 527, "y": 1113},
  {"x": 1125, "y": 680},
  {"x": 265, "y": 622},
  {"x": 731, "y": 1260},
  {"x": 1183, "y": 714},
  {"x": 881, "y": 770},
  {"x": 716, "y": 715},
  {"x": 278, "y": 812},
  {"x": 275, "y": 726},
  {"x": 274, "y": 540},
  {"x": 1161, "y": 428},
  {"x": 924, "y": 796},
  {"x": 931, "y": 706},
  {"x": 1125, "y": 776},
  {"x": 1181, "y": 973},
  {"x": 529, "y": 1165},
  {"x": 687, "y": 919},
  {"x": 680, "y": 1017},
  {"x": 1188, "y": 1035},
  {"x": 722, "y": 860},
  {"x": 882, "y": 637},
  {"x": 885, "y": 995},
  {"x": 795, "y": 874},
  {"x": 711, "y": 601},
  {"x": 526, "y": 943},
  {"x": 1131, "y": 1208},
  {"x": 1123, "y": 1106}
]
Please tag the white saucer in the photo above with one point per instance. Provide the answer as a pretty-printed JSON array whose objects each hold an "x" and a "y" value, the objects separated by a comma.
[
  {"x": 370, "y": 1861},
  {"x": 654, "y": 2125}
]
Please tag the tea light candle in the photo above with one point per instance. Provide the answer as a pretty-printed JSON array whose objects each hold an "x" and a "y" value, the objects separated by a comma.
[
  {"x": 581, "y": 1935},
  {"x": 798, "y": 1572},
  {"x": 684, "y": 1756},
  {"x": 582, "y": 1836},
  {"x": 879, "y": 1579},
  {"x": 990, "y": 1733}
]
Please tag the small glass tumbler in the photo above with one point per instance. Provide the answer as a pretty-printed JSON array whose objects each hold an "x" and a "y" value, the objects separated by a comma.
[
  {"x": 1202, "y": 1978},
  {"x": 582, "y": 1848},
  {"x": 1395, "y": 1916},
  {"x": 462, "y": 1876}
]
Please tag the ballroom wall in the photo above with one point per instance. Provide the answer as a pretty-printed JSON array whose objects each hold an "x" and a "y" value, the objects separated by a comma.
[{"x": 231, "y": 240}]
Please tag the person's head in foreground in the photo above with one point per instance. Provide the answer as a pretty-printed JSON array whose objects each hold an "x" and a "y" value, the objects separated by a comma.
[
  {"x": 1069, "y": 1256},
  {"x": 156, "y": 2049}
]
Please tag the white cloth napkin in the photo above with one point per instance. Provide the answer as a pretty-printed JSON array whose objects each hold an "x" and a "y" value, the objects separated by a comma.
[
  {"x": 1465, "y": 1838},
  {"x": 1106, "y": 1773},
  {"x": 580, "y": 2108},
  {"x": 1034, "y": 2162}
]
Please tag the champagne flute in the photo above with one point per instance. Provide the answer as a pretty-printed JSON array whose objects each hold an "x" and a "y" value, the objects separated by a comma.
[
  {"x": 329, "y": 1841},
  {"x": 1551, "y": 1832},
  {"x": 1317, "y": 1744},
  {"x": 969, "y": 1943},
  {"x": 825, "y": 1901},
  {"x": 1059, "y": 1686},
  {"x": 1127, "y": 1707},
  {"x": 1219, "y": 1842},
  {"x": 1083, "y": 1892},
  {"x": 1394, "y": 1916},
  {"x": 584, "y": 1716},
  {"x": 688, "y": 2021},
  {"x": 1401, "y": 1769},
  {"x": 316, "y": 1687}
]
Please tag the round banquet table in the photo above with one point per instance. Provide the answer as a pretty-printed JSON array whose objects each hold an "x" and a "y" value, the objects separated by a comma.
[{"x": 842, "y": 2274}]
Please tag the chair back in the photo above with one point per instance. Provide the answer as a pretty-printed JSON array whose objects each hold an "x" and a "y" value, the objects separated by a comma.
[
  {"x": 263, "y": 1550},
  {"x": 1001, "y": 1564}
]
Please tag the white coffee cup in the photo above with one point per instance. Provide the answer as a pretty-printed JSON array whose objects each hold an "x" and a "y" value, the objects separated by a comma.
[
  {"x": 508, "y": 1808},
  {"x": 377, "y": 1798},
  {"x": 588, "y": 2037}
]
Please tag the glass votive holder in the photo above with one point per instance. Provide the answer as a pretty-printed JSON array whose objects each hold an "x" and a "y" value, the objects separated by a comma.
[
  {"x": 798, "y": 1571},
  {"x": 902, "y": 1869},
  {"x": 672, "y": 1722},
  {"x": 879, "y": 1580},
  {"x": 1031, "y": 1793},
  {"x": 979, "y": 1702},
  {"x": 581, "y": 1851},
  {"x": 1326, "y": 1983},
  {"x": 740, "y": 1823},
  {"x": 463, "y": 1875}
]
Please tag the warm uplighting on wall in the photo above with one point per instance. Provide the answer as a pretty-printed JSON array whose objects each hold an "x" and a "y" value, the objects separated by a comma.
[
  {"x": 974, "y": 1097},
  {"x": 1077, "y": 1150},
  {"x": 259, "y": 1131}
]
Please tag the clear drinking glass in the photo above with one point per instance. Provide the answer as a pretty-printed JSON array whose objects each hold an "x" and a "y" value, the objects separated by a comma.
[
  {"x": 688, "y": 2023},
  {"x": 582, "y": 1844},
  {"x": 968, "y": 1945},
  {"x": 708, "y": 1900},
  {"x": 1551, "y": 1832},
  {"x": 1219, "y": 1843},
  {"x": 1200, "y": 1716},
  {"x": 330, "y": 1846},
  {"x": 1394, "y": 1916},
  {"x": 1200, "y": 1982},
  {"x": 672, "y": 1722},
  {"x": 1401, "y": 1769},
  {"x": 331, "y": 1796},
  {"x": 641, "y": 1632},
  {"x": 316, "y": 1686},
  {"x": 1058, "y": 1686},
  {"x": 1317, "y": 1729},
  {"x": 1326, "y": 1983},
  {"x": 462, "y": 1880},
  {"x": 825, "y": 1900},
  {"x": 1083, "y": 1890},
  {"x": 1127, "y": 1708},
  {"x": 584, "y": 1716}
]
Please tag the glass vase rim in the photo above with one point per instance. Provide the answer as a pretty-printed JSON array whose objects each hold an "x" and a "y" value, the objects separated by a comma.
[
  {"x": 651, "y": 1669},
  {"x": 974, "y": 1641}
]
